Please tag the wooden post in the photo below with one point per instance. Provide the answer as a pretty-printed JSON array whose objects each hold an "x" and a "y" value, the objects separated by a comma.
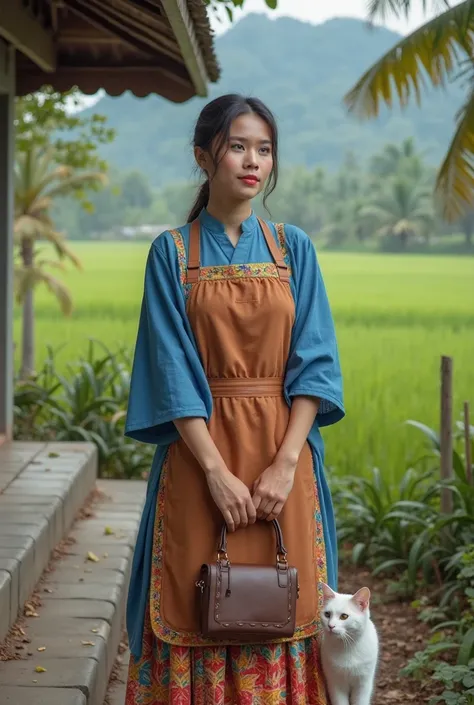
[
  {"x": 446, "y": 431},
  {"x": 467, "y": 443},
  {"x": 7, "y": 144}
]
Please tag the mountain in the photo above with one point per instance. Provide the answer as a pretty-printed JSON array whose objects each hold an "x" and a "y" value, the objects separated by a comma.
[{"x": 302, "y": 72}]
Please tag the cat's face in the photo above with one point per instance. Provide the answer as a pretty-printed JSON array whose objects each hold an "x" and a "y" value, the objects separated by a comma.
[{"x": 345, "y": 616}]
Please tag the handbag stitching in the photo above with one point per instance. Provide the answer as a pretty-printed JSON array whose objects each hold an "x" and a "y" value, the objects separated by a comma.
[{"x": 240, "y": 623}]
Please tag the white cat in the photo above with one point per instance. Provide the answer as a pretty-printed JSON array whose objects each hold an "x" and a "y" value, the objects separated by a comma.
[{"x": 349, "y": 647}]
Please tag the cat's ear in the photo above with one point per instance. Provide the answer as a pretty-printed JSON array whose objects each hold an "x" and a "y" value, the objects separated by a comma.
[
  {"x": 328, "y": 594},
  {"x": 362, "y": 598}
]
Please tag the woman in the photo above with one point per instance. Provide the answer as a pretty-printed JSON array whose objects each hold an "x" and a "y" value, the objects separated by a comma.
[{"x": 236, "y": 369}]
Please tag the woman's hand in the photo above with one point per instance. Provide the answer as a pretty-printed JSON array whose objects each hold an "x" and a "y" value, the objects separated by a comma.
[
  {"x": 271, "y": 489},
  {"x": 232, "y": 497}
]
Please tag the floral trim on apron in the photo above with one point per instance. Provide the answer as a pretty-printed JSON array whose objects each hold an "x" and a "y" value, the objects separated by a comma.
[{"x": 230, "y": 271}]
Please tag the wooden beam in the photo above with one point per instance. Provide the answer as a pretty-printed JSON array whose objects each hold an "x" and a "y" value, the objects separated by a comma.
[
  {"x": 124, "y": 27},
  {"x": 446, "y": 432},
  {"x": 183, "y": 28},
  {"x": 7, "y": 146},
  {"x": 19, "y": 27}
]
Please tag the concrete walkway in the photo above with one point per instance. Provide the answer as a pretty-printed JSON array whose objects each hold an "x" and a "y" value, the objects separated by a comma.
[{"x": 72, "y": 637}]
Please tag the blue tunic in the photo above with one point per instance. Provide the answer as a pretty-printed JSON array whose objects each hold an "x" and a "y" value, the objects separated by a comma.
[{"x": 169, "y": 382}]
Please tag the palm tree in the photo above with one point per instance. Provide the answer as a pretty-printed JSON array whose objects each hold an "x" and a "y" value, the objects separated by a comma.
[
  {"x": 38, "y": 182},
  {"x": 403, "y": 210},
  {"x": 441, "y": 49}
]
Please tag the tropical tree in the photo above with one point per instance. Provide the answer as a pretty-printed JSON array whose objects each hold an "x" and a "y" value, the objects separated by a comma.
[
  {"x": 401, "y": 211},
  {"x": 39, "y": 180},
  {"x": 442, "y": 49}
]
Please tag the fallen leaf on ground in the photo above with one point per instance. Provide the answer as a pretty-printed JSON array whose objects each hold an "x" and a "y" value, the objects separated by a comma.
[
  {"x": 41, "y": 648},
  {"x": 88, "y": 643},
  {"x": 52, "y": 454},
  {"x": 108, "y": 531},
  {"x": 95, "y": 631},
  {"x": 92, "y": 557},
  {"x": 40, "y": 669}
]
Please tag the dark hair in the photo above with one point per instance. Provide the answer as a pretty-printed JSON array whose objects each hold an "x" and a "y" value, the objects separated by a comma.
[{"x": 214, "y": 121}]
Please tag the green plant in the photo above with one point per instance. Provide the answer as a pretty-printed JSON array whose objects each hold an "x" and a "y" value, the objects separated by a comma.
[
  {"x": 453, "y": 634},
  {"x": 458, "y": 682},
  {"x": 39, "y": 181},
  {"x": 439, "y": 50},
  {"x": 88, "y": 403},
  {"x": 386, "y": 526}
]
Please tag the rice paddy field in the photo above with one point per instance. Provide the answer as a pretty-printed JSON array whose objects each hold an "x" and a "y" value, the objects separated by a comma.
[{"x": 395, "y": 316}]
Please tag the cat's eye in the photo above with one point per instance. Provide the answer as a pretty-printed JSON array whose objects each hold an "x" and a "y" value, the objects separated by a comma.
[
  {"x": 327, "y": 614},
  {"x": 343, "y": 617}
]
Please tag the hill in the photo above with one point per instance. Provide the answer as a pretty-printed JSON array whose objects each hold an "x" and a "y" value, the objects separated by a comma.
[{"x": 302, "y": 71}]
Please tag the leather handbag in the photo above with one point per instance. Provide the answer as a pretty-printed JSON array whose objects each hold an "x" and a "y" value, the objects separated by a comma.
[{"x": 248, "y": 603}]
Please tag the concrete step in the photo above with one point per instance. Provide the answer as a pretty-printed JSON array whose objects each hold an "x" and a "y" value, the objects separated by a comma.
[
  {"x": 77, "y": 632},
  {"x": 42, "y": 486}
]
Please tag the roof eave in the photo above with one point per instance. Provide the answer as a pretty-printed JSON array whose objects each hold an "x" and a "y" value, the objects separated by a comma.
[
  {"x": 21, "y": 28},
  {"x": 183, "y": 28}
]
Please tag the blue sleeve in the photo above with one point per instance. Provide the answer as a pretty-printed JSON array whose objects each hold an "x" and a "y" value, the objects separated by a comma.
[
  {"x": 168, "y": 380},
  {"x": 313, "y": 367}
]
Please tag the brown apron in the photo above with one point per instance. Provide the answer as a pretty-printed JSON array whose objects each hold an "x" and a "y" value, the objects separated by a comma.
[{"x": 242, "y": 317}]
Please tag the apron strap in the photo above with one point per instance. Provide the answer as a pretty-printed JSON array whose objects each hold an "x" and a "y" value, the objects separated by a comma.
[
  {"x": 194, "y": 260},
  {"x": 275, "y": 252}
]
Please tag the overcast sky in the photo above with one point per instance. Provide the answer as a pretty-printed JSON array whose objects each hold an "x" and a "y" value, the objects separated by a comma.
[{"x": 317, "y": 11}]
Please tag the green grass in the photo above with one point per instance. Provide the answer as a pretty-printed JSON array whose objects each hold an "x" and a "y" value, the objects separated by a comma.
[{"x": 395, "y": 316}]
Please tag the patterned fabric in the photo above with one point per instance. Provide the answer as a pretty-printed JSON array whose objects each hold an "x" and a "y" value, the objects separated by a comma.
[
  {"x": 229, "y": 271},
  {"x": 280, "y": 228},
  {"x": 267, "y": 674},
  {"x": 182, "y": 261},
  {"x": 239, "y": 271},
  {"x": 163, "y": 631}
]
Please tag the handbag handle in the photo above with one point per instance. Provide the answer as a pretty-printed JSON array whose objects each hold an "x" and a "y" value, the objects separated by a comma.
[{"x": 281, "y": 550}]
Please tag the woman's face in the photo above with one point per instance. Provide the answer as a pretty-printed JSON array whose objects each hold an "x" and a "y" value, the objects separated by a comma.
[{"x": 245, "y": 162}]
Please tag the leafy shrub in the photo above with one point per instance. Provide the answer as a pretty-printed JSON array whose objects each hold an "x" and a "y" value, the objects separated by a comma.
[{"x": 88, "y": 403}]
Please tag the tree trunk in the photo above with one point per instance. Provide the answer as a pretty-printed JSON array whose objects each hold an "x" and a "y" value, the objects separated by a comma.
[{"x": 28, "y": 349}]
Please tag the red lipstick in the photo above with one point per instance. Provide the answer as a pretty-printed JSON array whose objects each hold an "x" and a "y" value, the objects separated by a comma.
[{"x": 250, "y": 180}]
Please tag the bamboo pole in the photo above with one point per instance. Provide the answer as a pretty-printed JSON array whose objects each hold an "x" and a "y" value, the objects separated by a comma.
[
  {"x": 446, "y": 431},
  {"x": 467, "y": 443}
]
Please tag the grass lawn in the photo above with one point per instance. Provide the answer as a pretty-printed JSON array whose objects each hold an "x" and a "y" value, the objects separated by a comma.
[{"x": 395, "y": 316}]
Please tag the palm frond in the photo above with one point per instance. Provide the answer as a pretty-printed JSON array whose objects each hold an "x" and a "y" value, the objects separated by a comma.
[
  {"x": 432, "y": 49},
  {"x": 455, "y": 182},
  {"x": 76, "y": 181},
  {"x": 29, "y": 277},
  {"x": 382, "y": 9},
  {"x": 60, "y": 291},
  {"x": 27, "y": 226},
  {"x": 64, "y": 252},
  {"x": 375, "y": 212}
]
